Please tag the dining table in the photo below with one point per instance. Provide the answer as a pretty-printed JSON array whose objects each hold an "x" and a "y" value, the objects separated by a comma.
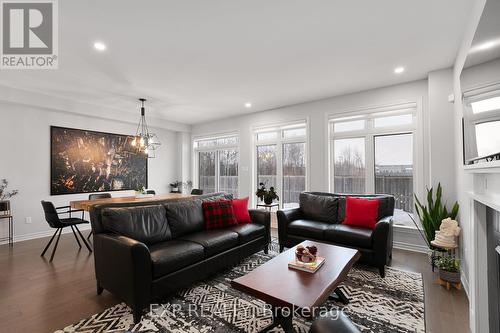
[{"x": 86, "y": 205}]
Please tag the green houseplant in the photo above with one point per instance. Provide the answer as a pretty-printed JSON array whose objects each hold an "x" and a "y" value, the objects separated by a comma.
[
  {"x": 268, "y": 195},
  {"x": 449, "y": 269},
  {"x": 433, "y": 213}
]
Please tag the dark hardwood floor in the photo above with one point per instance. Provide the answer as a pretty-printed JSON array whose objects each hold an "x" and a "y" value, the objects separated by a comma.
[{"x": 38, "y": 296}]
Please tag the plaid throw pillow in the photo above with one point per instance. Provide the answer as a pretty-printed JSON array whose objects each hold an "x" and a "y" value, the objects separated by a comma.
[{"x": 218, "y": 214}]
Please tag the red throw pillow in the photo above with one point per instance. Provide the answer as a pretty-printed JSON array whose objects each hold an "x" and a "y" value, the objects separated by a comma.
[
  {"x": 361, "y": 212},
  {"x": 218, "y": 214},
  {"x": 240, "y": 207}
]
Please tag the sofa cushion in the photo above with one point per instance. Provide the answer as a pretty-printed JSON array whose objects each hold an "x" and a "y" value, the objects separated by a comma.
[
  {"x": 170, "y": 256},
  {"x": 218, "y": 214},
  {"x": 322, "y": 208},
  {"x": 213, "y": 241},
  {"x": 248, "y": 231},
  {"x": 240, "y": 208},
  {"x": 349, "y": 235},
  {"x": 361, "y": 212},
  {"x": 308, "y": 228},
  {"x": 184, "y": 217},
  {"x": 385, "y": 207},
  {"x": 147, "y": 224}
]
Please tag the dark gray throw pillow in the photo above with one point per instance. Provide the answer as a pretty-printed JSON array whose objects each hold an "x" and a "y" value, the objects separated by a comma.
[
  {"x": 319, "y": 207},
  {"x": 184, "y": 217},
  {"x": 146, "y": 224}
]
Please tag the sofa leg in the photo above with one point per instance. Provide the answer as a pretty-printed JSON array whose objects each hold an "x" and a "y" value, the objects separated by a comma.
[
  {"x": 99, "y": 288},
  {"x": 382, "y": 271},
  {"x": 137, "y": 315},
  {"x": 281, "y": 248},
  {"x": 266, "y": 249}
]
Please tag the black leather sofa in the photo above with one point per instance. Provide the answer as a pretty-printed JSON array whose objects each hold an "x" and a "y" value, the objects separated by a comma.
[
  {"x": 320, "y": 217},
  {"x": 143, "y": 251}
]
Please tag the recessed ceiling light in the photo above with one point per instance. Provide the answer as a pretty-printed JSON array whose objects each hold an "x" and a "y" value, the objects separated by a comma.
[
  {"x": 248, "y": 105},
  {"x": 399, "y": 70},
  {"x": 99, "y": 46}
]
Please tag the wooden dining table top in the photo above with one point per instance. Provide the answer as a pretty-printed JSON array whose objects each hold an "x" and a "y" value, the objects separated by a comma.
[
  {"x": 278, "y": 285},
  {"x": 86, "y": 205}
]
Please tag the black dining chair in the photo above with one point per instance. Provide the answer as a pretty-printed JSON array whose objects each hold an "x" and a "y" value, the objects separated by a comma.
[
  {"x": 153, "y": 192},
  {"x": 52, "y": 217},
  {"x": 196, "y": 191},
  {"x": 97, "y": 196}
]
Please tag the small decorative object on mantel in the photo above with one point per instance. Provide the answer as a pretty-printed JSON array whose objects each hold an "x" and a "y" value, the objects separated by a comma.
[
  {"x": 142, "y": 193},
  {"x": 306, "y": 259},
  {"x": 267, "y": 195}
]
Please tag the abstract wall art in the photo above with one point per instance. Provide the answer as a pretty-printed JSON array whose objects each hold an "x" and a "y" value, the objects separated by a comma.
[{"x": 87, "y": 161}]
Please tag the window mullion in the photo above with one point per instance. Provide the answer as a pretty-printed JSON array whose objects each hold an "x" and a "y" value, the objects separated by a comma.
[{"x": 370, "y": 164}]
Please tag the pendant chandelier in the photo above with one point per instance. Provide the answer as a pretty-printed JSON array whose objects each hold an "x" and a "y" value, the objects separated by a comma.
[{"x": 145, "y": 141}]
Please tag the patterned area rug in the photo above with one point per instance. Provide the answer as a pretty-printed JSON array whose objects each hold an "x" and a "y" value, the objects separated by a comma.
[{"x": 392, "y": 304}]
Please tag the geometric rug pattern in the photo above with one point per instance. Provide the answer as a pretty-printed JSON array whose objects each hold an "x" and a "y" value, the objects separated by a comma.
[{"x": 392, "y": 304}]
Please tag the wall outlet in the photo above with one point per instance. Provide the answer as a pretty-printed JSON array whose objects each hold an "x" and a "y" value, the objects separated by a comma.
[{"x": 28, "y": 220}]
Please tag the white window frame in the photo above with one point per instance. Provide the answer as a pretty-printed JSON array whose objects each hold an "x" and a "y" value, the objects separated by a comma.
[
  {"x": 369, "y": 134},
  {"x": 279, "y": 141},
  {"x": 471, "y": 119},
  {"x": 196, "y": 150}
]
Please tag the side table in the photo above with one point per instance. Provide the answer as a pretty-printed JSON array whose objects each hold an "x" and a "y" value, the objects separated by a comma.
[
  {"x": 268, "y": 207},
  {"x": 6, "y": 214}
]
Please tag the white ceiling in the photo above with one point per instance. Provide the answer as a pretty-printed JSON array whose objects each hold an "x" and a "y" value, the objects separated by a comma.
[{"x": 202, "y": 60}]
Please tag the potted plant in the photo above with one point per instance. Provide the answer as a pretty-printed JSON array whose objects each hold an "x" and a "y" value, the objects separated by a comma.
[
  {"x": 174, "y": 186},
  {"x": 4, "y": 195},
  {"x": 433, "y": 213},
  {"x": 449, "y": 269},
  {"x": 188, "y": 185},
  {"x": 267, "y": 195}
]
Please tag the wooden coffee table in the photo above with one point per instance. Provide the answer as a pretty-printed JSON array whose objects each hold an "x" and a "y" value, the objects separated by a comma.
[{"x": 287, "y": 290}]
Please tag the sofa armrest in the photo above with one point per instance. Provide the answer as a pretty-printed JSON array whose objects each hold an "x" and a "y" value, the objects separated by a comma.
[
  {"x": 285, "y": 217},
  {"x": 382, "y": 240},
  {"x": 262, "y": 217},
  {"x": 123, "y": 266}
]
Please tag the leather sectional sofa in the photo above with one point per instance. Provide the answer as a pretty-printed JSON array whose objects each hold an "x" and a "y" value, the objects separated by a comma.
[
  {"x": 144, "y": 251},
  {"x": 319, "y": 217}
]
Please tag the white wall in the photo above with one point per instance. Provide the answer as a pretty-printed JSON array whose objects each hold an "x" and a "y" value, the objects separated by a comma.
[{"x": 25, "y": 160}]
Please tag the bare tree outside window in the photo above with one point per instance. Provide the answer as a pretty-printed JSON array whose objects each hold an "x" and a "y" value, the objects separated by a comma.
[
  {"x": 206, "y": 171},
  {"x": 349, "y": 168},
  {"x": 294, "y": 173},
  {"x": 228, "y": 171},
  {"x": 266, "y": 165}
]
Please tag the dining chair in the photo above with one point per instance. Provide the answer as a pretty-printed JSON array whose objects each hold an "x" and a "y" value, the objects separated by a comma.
[
  {"x": 151, "y": 192},
  {"x": 97, "y": 196},
  {"x": 52, "y": 217},
  {"x": 196, "y": 191}
]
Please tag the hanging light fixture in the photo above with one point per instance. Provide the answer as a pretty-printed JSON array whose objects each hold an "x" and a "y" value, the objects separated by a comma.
[{"x": 145, "y": 141}]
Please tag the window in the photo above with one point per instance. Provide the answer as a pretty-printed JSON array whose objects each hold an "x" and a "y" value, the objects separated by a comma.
[
  {"x": 373, "y": 152},
  {"x": 487, "y": 138},
  {"x": 349, "y": 165},
  {"x": 394, "y": 168},
  {"x": 485, "y": 105},
  {"x": 217, "y": 161},
  {"x": 281, "y": 160},
  {"x": 266, "y": 165}
]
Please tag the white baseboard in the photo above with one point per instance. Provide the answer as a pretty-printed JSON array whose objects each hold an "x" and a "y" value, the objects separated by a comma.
[
  {"x": 41, "y": 234},
  {"x": 411, "y": 247},
  {"x": 465, "y": 283}
]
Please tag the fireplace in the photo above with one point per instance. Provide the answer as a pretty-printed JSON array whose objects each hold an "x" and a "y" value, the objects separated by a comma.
[{"x": 493, "y": 260}]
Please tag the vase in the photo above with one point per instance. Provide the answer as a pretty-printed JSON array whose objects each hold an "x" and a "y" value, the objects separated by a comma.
[
  {"x": 452, "y": 277},
  {"x": 268, "y": 201}
]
